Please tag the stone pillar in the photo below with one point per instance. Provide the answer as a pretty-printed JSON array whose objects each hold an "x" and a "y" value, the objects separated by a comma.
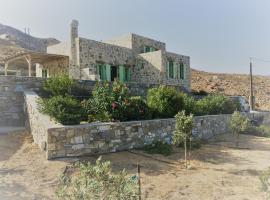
[{"x": 74, "y": 66}]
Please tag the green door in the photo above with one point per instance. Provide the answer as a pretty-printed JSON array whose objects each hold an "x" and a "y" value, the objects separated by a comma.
[{"x": 122, "y": 73}]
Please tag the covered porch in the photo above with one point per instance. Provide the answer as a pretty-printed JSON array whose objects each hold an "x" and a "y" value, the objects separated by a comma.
[{"x": 35, "y": 64}]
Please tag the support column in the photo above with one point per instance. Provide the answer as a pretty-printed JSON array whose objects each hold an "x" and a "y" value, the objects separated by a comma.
[
  {"x": 28, "y": 59},
  {"x": 6, "y": 68}
]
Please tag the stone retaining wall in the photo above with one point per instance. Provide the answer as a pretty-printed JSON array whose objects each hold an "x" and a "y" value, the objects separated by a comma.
[
  {"x": 97, "y": 138},
  {"x": 11, "y": 98}
]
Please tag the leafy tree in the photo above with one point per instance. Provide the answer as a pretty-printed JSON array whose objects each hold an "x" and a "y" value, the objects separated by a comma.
[
  {"x": 97, "y": 182},
  {"x": 238, "y": 124},
  {"x": 164, "y": 101},
  {"x": 183, "y": 130}
]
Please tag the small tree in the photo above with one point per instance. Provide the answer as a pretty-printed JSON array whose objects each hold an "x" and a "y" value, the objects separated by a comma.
[
  {"x": 183, "y": 130},
  {"x": 238, "y": 124}
]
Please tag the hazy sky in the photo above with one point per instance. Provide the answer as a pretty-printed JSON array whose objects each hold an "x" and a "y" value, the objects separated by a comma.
[{"x": 218, "y": 35}]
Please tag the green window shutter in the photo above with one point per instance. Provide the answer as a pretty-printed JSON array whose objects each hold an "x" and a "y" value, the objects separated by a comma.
[
  {"x": 122, "y": 73},
  {"x": 103, "y": 72},
  {"x": 127, "y": 74},
  {"x": 175, "y": 66},
  {"x": 182, "y": 76},
  {"x": 108, "y": 72},
  {"x": 152, "y": 49},
  {"x": 147, "y": 49}
]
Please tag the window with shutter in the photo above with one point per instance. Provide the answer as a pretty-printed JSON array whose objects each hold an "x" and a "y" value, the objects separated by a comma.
[
  {"x": 44, "y": 73},
  {"x": 171, "y": 73},
  {"x": 182, "y": 72}
]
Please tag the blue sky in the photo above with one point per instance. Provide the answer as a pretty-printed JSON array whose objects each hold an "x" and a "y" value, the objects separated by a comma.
[{"x": 218, "y": 35}]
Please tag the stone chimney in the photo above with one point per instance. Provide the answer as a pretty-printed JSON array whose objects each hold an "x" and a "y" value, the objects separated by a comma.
[{"x": 74, "y": 71}]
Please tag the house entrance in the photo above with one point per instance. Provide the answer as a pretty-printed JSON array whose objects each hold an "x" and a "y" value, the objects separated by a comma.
[{"x": 113, "y": 73}]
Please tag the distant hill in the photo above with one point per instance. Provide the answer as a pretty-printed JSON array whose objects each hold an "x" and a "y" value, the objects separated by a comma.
[
  {"x": 13, "y": 40},
  {"x": 233, "y": 84}
]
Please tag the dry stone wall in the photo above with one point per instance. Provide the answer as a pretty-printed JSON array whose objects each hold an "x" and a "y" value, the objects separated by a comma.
[
  {"x": 11, "y": 98},
  {"x": 97, "y": 138}
]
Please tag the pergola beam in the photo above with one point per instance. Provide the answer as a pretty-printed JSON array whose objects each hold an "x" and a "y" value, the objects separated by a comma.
[
  {"x": 6, "y": 68},
  {"x": 29, "y": 61}
]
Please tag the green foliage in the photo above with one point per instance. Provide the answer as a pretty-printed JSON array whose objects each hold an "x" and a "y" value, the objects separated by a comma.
[
  {"x": 265, "y": 181},
  {"x": 158, "y": 147},
  {"x": 262, "y": 130},
  {"x": 183, "y": 128},
  {"x": 97, "y": 182},
  {"x": 214, "y": 104},
  {"x": 60, "y": 85},
  {"x": 189, "y": 104},
  {"x": 108, "y": 103},
  {"x": 164, "y": 101},
  {"x": 137, "y": 109},
  {"x": 238, "y": 123},
  {"x": 64, "y": 109}
]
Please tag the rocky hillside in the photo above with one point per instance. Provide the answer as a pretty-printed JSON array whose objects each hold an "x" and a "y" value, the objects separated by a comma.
[
  {"x": 233, "y": 84},
  {"x": 25, "y": 41}
]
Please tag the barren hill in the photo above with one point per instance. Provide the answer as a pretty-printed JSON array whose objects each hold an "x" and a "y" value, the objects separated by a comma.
[
  {"x": 25, "y": 41},
  {"x": 233, "y": 84},
  {"x": 13, "y": 41}
]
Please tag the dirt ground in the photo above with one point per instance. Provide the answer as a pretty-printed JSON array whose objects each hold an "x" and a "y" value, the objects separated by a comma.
[{"x": 217, "y": 171}]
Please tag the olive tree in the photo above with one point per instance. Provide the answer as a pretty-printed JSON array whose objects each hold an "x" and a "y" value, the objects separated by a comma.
[
  {"x": 97, "y": 182},
  {"x": 238, "y": 124},
  {"x": 183, "y": 130}
]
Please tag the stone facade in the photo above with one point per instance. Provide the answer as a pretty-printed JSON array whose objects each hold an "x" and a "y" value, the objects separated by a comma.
[
  {"x": 145, "y": 59},
  {"x": 11, "y": 98}
]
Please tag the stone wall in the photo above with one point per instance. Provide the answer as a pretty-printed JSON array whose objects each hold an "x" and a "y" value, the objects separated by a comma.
[
  {"x": 11, "y": 98},
  {"x": 92, "y": 52},
  {"x": 38, "y": 123},
  {"x": 98, "y": 138}
]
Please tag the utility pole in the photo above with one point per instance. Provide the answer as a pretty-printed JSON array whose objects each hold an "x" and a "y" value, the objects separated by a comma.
[{"x": 251, "y": 97}]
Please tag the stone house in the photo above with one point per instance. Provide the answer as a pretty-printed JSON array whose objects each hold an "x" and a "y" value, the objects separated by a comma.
[{"x": 130, "y": 58}]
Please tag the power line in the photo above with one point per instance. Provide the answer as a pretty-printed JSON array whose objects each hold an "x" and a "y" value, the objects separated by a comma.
[{"x": 261, "y": 60}]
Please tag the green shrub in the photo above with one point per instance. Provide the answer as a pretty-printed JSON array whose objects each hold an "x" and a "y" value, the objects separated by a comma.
[
  {"x": 238, "y": 123},
  {"x": 214, "y": 105},
  {"x": 263, "y": 130},
  {"x": 108, "y": 103},
  {"x": 158, "y": 147},
  {"x": 64, "y": 110},
  {"x": 164, "y": 101},
  {"x": 60, "y": 85},
  {"x": 189, "y": 104},
  {"x": 137, "y": 109},
  {"x": 97, "y": 182}
]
